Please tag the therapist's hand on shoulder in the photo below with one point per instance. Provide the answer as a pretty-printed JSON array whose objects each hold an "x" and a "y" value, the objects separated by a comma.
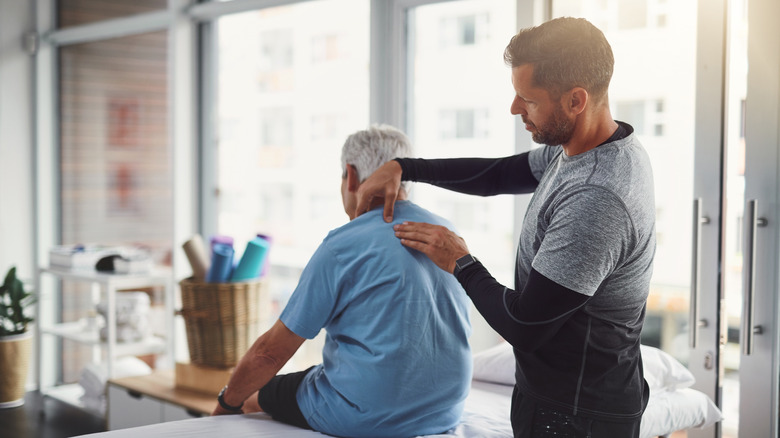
[
  {"x": 440, "y": 244},
  {"x": 383, "y": 183}
]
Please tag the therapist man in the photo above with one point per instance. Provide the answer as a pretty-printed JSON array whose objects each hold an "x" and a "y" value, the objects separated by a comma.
[
  {"x": 587, "y": 241},
  {"x": 396, "y": 359}
]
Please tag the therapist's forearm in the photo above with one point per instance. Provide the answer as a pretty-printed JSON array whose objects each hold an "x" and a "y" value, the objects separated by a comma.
[
  {"x": 262, "y": 362},
  {"x": 473, "y": 176}
]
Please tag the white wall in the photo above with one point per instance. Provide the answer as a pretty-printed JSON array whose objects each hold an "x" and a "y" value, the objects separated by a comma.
[{"x": 16, "y": 142}]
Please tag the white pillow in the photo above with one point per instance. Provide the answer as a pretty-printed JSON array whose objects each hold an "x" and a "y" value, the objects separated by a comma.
[
  {"x": 662, "y": 371},
  {"x": 670, "y": 411},
  {"x": 495, "y": 365}
]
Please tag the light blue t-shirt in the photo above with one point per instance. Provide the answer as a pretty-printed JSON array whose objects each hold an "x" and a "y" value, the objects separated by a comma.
[{"x": 396, "y": 360}]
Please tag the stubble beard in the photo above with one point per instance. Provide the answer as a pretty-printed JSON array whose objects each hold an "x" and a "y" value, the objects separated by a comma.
[{"x": 556, "y": 131}]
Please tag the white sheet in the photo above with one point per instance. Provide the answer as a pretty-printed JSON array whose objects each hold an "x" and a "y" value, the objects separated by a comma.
[{"x": 486, "y": 415}]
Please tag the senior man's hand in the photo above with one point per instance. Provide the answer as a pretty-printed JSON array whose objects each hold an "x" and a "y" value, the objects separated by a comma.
[
  {"x": 440, "y": 244},
  {"x": 219, "y": 410},
  {"x": 384, "y": 182}
]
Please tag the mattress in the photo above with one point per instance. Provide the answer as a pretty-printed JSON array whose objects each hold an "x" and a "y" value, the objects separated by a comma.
[{"x": 486, "y": 415}]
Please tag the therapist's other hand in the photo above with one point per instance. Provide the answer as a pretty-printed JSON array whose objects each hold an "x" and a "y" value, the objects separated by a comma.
[
  {"x": 440, "y": 244},
  {"x": 383, "y": 183}
]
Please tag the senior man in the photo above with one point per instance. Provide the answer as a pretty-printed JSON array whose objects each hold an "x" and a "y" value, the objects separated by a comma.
[{"x": 396, "y": 359}]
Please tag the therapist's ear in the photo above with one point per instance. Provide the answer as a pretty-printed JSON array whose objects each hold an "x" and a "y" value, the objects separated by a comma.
[
  {"x": 353, "y": 181},
  {"x": 576, "y": 100}
]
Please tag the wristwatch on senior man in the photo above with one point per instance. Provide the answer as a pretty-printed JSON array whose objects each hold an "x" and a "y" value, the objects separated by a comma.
[
  {"x": 221, "y": 400},
  {"x": 463, "y": 262}
]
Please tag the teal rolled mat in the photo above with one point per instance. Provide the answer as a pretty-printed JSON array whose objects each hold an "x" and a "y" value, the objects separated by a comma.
[{"x": 252, "y": 260}]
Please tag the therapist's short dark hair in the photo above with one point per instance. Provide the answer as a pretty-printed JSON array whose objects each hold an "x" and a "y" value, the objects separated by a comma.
[{"x": 565, "y": 53}]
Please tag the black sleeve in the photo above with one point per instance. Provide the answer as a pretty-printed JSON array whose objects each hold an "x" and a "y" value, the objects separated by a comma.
[
  {"x": 525, "y": 319},
  {"x": 473, "y": 176}
]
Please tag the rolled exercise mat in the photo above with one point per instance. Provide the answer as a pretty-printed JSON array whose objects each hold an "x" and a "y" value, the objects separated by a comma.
[
  {"x": 252, "y": 260},
  {"x": 221, "y": 264},
  {"x": 267, "y": 261},
  {"x": 197, "y": 256}
]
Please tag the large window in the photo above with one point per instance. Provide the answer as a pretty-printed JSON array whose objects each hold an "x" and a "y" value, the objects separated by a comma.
[{"x": 290, "y": 88}]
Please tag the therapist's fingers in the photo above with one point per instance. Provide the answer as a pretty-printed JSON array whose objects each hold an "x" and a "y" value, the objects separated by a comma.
[
  {"x": 390, "y": 197},
  {"x": 383, "y": 183},
  {"x": 440, "y": 244},
  {"x": 415, "y": 231}
]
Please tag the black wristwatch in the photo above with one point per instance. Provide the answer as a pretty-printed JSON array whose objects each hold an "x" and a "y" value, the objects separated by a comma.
[
  {"x": 463, "y": 262},
  {"x": 221, "y": 400}
]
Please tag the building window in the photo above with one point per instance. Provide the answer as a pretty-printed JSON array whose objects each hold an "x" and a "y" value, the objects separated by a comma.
[
  {"x": 646, "y": 116},
  {"x": 463, "y": 123},
  {"x": 633, "y": 113},
  {"x": 276, "y": 49},
  {"x": 276, "y": 127},
  {"x": 327, "y": 48},
  {"x": 658, "y": 118},
  {"x": 326, "y": 127},
  {"x": 632, "y": 14},
  {"x": 660, "y": 20},
  {"x": 466, "y": 30}
]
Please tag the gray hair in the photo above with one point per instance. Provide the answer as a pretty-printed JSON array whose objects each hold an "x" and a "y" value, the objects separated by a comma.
[{"x": 370, "y": 148}]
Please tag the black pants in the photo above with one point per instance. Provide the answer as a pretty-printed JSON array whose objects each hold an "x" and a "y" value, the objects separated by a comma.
[
  {"x": 277, "y": 398},
  {"x": 530, "y": 420}
]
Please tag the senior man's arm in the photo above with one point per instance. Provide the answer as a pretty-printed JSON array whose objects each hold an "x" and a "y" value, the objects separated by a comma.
[{"x": 261, "y": 362}]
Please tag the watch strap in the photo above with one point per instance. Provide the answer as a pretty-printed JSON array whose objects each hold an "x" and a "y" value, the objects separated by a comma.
[{"x": 223, "y": 403}]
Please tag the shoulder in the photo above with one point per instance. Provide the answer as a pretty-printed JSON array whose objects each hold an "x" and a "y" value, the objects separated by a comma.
[
  {"x": 409, "y": 211},
  {"x": 371, "y": 230},
  {"x": 403, "y": 211},
  {"x": 623, "y": 167},
  {"x": 541, "y": 157},
  {"x": 617, "y": 184},
  {"x": 626, "y": 153}
]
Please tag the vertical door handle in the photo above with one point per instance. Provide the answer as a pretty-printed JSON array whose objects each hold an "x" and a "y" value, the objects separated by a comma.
[
  {"x": 748, "y": 330},
  {"x": 693, "y": 318}
]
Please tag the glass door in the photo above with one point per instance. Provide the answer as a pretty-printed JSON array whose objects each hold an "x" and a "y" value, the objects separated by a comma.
[{"x": 758, "y": 360}]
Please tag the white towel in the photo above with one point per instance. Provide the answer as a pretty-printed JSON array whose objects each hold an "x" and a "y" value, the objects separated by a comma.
[{"x": 93, "y": 379}]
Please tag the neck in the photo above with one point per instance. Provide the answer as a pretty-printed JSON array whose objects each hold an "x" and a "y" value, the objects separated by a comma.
[
  {"x": 376, "y": 202},
  {"x": 591, "y": 129}
]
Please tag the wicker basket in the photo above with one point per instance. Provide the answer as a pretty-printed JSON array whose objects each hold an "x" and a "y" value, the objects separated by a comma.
[{"x": 222, "y": 320}]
